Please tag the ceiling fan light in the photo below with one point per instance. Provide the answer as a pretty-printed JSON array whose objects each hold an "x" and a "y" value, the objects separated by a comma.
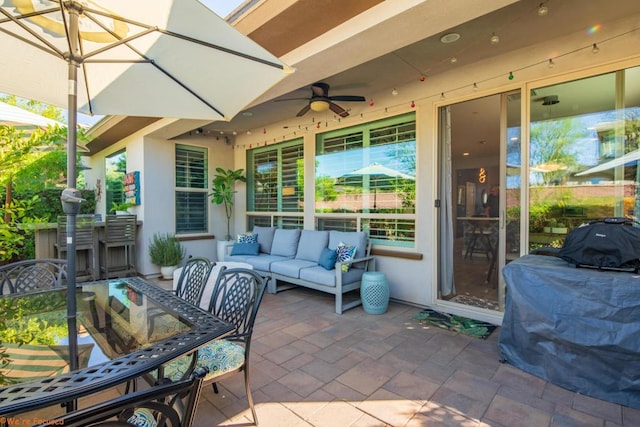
[{"x": 319, "y": 106}]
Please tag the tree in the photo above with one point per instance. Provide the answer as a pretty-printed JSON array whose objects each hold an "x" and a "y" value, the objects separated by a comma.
[{"x": 551, "y": 143}]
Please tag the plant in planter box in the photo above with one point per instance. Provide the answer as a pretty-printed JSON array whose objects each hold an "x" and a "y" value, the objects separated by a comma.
[
  {"x": 121, "y": 207},
  {"x": 167, "y": 252},
  {"x": 223, "y": 191}
]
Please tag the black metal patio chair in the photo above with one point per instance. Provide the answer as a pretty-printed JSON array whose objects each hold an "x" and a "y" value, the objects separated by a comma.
[
  {"x": 193, "y": 278},
  {"x": 236, "y": 298},
  {"x": 171, "y": 404},
  {"x": 33, "y": 274}
]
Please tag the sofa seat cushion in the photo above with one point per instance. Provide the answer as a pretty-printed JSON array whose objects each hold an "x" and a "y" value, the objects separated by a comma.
[
  {"x": 258, "y": 262},
  {"x": 291, "y": 267},
  {"x": 325, "y": 277},
  {"x": 311, "y": 244}
]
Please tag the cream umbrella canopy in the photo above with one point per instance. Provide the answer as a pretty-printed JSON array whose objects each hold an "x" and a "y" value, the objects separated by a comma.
[{"x": 158, "y": 58}]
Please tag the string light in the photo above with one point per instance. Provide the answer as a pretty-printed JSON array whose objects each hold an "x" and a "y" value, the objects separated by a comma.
[
  {"x": 550, "y": 63},
  {"x": 494, "y": 39},
  {"x": 454, "y": 59},
  {"x": 394, "y": 92}
]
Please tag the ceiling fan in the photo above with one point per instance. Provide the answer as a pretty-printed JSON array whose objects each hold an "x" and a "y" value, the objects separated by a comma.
[{"x": 321, "y": 101}]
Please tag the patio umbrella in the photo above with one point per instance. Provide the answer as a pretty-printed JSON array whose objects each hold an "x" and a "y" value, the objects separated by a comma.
[
  {"x": 158, "y": 58},
  {"x": 10, "y": 115},
  {"x": 376, "y": 171}
]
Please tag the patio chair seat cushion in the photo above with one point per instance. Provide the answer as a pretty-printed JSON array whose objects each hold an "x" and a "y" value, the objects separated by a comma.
[
  {"x": 220, "y": 356},
  {"x": 142, "y": 417},
  {"x": 292, "y": 267},
  {"x": 319, "y": 274}
]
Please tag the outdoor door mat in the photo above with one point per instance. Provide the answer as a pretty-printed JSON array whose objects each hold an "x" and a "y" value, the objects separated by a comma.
[{"x": 463, "y": 325}]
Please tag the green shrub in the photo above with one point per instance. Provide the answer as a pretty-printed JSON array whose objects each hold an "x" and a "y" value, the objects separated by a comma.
[{"x": 165, "y": 250}]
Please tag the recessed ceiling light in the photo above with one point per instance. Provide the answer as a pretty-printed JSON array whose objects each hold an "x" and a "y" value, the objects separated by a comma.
[
  {"x": 465, "y": 153},
  {"x": 450, "y": 38}
]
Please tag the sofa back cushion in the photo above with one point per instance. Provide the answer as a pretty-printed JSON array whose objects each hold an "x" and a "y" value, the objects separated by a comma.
[
  {"x": 311, "y": 244},
  {"x": 351, "y": 238},
  {"x": 265, "y": 237},
  {"x": 285, "y": 242}
]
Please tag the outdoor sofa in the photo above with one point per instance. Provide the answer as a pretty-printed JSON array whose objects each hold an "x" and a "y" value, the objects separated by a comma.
[{"x": 314, "y": 259}]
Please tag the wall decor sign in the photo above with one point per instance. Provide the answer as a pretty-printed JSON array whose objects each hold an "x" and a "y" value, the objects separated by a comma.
[{"x": 132, "y": 188}]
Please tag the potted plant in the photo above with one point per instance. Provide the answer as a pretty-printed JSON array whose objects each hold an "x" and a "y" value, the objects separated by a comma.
[
  {"x": 167, "y": 252},
  {"x": 222, "y": 193},
  {"x": 121, "y": 208}
]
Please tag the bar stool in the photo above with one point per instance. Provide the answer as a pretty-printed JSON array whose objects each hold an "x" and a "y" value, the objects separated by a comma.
[
  {"x": 85, "y": 235},
  {"x": 118, "y": 248}
]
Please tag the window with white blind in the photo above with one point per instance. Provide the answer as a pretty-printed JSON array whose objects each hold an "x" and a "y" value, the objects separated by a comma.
[
  {"x": 191, "y": 189},
  {"x": 275, "y": 182},
  {"x": 365, "y": 180}
]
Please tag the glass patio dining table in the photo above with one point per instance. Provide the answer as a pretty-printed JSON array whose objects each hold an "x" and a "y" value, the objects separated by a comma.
[{"x": 117, "y": 341}]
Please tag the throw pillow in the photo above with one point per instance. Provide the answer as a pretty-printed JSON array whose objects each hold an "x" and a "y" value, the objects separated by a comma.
[
  {"x": 328, "y": 258},
  {"x": 345, "y": 252},
  {"x": 247, "y": 238},
  {"x": 245, "y": 248}
]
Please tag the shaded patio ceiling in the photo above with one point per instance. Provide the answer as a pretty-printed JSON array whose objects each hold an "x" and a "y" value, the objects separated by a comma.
[{"x": 292, "y": 27}]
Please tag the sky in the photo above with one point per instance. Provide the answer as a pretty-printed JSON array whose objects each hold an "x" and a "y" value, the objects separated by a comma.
[{"x": 222, "y": 7}]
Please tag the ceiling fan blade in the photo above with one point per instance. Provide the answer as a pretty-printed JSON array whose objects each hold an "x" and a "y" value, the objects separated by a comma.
[
  {"x": 291, "y": 99},
  {"x": 352, "y": 98},
  {"x": 320, "y": 89},
  {"x": 338, "y": 110},
  {"x": 304, "y": 110}
]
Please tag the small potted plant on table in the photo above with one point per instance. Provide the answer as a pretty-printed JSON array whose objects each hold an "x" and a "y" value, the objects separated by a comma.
[
  {"x": 121, "y": 208},
  {"x": 167, "y": 252}
]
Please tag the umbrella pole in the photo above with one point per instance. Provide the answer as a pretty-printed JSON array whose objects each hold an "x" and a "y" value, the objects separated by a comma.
[{"x": 72, "y": 206}]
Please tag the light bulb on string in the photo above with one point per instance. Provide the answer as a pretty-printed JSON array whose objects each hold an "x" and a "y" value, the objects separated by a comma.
[
  {"x": 413, "y": 104},
  {"x": 442, "y": 95},
  {"x": 595, "y": 48},
  {"x": 423, "y": 78},
  {"x": 494, "y": 39},
  {"x": 394, "y": 92},
  {"x": 542, "y": 10},
  {"x": 371, "y": 103},
  {"x": 551, "y": 63},
  {"x": 510, "y": 75},
  {"x": 475, "y": 86},
  {"x": 453, "y": 59}
]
